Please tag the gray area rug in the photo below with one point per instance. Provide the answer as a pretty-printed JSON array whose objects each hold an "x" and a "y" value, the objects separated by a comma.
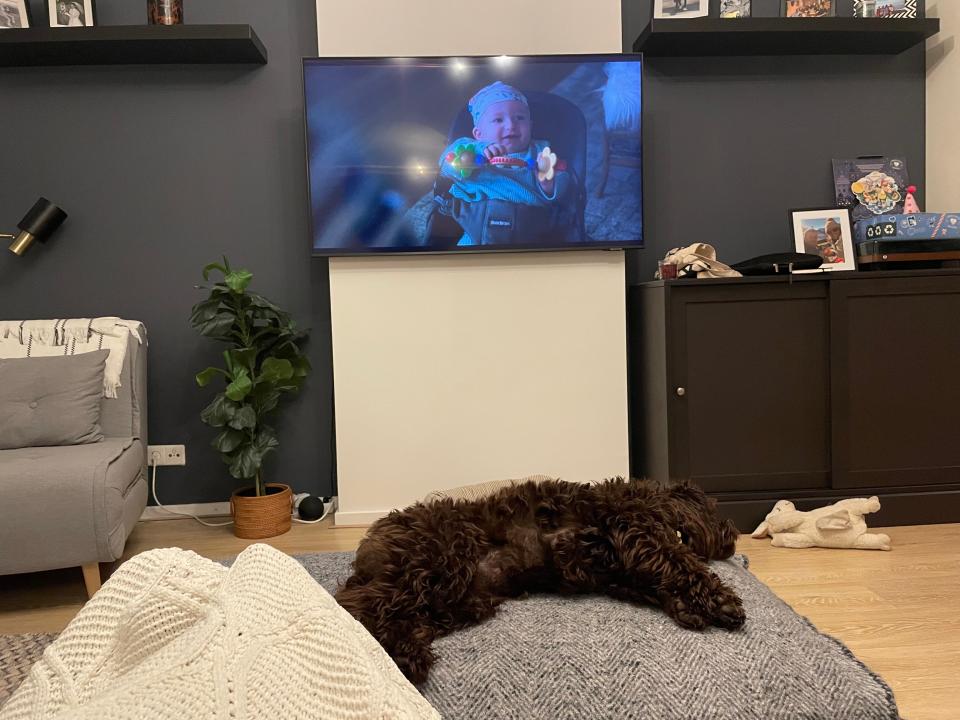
[
  {"x": 588, "y": 657},
  {"x": 18, "y": 653}
]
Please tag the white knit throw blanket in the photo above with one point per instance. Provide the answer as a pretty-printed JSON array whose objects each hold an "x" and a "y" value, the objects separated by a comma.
[
  {"x": 174, "y": 635},
  {"x": 41, "y": 338}
]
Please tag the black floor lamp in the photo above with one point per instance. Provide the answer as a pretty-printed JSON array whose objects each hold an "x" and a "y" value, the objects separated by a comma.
[{"x": 38, "y": 224}]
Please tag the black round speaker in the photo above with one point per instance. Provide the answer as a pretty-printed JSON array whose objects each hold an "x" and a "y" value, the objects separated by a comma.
[{"x": 310, "y": 508}]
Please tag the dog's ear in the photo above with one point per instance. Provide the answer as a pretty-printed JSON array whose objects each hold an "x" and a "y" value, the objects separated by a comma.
[
  {"x": 686, "y": 489},
  {"x": 692, "y": 495}
]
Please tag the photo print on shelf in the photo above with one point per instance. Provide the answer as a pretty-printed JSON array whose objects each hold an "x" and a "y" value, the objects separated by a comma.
[
  {"x": 885, "y": 8},
  {"x": 735, "y": 8}
]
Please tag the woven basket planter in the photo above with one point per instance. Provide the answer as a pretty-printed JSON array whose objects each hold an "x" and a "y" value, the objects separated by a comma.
[{"x": 267, "y": 516}]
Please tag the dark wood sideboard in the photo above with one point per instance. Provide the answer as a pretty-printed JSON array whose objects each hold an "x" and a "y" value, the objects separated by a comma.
[{"x": 809, "y": 388}]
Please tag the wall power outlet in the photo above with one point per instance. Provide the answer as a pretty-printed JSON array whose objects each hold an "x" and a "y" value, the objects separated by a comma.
[{"x": 168, "y": 455}]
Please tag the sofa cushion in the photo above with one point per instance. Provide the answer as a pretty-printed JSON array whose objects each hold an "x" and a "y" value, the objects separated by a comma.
[
  {"x": 51, "y": 400},
  {"x": 69, "y": 505}
]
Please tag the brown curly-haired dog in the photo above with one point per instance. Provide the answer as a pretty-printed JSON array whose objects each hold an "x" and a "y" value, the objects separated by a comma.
[{"x": 431, "y": 569}]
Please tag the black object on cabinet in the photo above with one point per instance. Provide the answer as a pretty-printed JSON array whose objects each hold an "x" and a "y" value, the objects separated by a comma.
[{"x": 810, "y": 388}]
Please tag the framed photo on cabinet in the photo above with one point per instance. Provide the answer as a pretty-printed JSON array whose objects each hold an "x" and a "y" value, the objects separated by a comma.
[{"x": 825, "y": 232}]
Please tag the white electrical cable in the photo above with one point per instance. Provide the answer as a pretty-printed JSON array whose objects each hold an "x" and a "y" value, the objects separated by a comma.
[
  {"x": 153, "y": 488},
  {"x": 326, "y": 511}
]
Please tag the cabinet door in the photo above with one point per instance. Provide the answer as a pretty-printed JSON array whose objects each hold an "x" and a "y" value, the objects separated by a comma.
[
  {"x": 750, "y": 385},
  {"x": 896, "y": 344}
]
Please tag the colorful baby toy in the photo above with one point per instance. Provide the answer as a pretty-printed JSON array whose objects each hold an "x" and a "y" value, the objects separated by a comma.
[{"x": 466, "y": 158}]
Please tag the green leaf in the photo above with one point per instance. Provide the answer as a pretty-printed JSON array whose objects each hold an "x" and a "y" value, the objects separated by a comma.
[
  {"x": 245, "y": 417},
  {"x": 275, "y": 369},
  {"x": 217, "y": 326},
  {"x": 266, "y": 397},
  {"x": 301, "y": 366},
  {"x": 266, "y": 330},
  {"x": 238, "y": 280},
  {"x": 266, "y": 439},
  {"x": 229, "y": 440},
  {"x": 259, "y": 301},
  {"x": 204, "y": 311},
  {"x": 219, "y": 412},
  {"x": 243, "y": 357},
  {"x": 241, "y": 385},
  {"x": 204, "y": 377},
  {"x": 214, "y": 266},
  {"x": 247, "y": 462}
]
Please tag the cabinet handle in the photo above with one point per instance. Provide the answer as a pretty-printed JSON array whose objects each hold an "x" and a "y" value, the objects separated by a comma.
[{"x": 681, "y": 391}]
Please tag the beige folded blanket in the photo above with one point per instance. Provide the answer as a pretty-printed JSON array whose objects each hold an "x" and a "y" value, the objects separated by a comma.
[
  {"x": 42, "y": 338},
  {"x": 480, "y": 490},
  {"x": 174, "y": 635}
]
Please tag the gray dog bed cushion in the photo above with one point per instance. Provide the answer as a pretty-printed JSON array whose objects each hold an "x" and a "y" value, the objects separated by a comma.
[{"x": 593, "y": 658}]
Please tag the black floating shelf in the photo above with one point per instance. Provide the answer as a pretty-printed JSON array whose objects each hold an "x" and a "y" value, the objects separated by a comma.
[
  {"x": 783, "y": 36},
  {"x": 132, "y": 45}
]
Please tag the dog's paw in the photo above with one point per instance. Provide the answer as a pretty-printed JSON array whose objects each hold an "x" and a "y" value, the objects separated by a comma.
[
  {"x": 414, "y": 661},
  {"x": 707, "y": 604},
  {"x": 683, "y": 614},
  {"x": 728, "y": 612}
]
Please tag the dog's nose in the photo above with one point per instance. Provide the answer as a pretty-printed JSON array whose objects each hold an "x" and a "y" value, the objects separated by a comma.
[{"x": 729, "y": 539}]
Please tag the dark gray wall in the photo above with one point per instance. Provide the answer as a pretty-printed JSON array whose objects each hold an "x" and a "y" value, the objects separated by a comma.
[
  {"x": 162, "y": 170},
  {"x": 730, "y": 144}
]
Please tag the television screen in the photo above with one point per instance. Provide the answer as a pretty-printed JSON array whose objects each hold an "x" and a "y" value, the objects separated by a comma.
[{"x": 413, "y": 155}]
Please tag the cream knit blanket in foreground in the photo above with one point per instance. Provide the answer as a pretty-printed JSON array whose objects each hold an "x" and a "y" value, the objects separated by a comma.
[{"x": 174, "y": 635}]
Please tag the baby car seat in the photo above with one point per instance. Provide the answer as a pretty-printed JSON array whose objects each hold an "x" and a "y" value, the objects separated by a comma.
[{"x": 555, "y": 119}]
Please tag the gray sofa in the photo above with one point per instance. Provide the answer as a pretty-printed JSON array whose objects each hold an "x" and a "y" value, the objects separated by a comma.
[{"x": 76, "y": 505}]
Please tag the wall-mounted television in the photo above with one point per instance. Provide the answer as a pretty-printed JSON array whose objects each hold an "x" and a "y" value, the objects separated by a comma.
[{"x": 470, "y": 154}]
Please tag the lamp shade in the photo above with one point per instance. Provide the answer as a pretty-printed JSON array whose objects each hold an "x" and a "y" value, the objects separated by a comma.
[
  {"x": 42, "y": 220},
  {"x": 38, "y": 224}
]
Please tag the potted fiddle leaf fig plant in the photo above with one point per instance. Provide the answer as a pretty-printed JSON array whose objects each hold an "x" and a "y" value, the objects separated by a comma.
[{"x": 263, "y": 364}]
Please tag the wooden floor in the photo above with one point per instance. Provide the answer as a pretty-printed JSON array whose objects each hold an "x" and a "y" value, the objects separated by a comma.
[{"x": 898, "y": 611}]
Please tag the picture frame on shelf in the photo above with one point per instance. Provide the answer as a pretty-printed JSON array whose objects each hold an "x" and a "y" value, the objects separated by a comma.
[
  {"x": 735, "y": 9},
  {"x": 871, "y": 185},
  {"x": 680, "y": 9},
  {"x": 825, "y": 232},
  {"x": 885, "y": 8},
  {"x": 71, "y": 13},
  {"x": 808, "y": 8},
  {"x": 14, "y": 14}
]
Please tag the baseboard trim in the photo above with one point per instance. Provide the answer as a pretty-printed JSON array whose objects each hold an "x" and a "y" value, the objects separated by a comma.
[
  {"x": 357, "y": 518},
  {"x": 214, "y": 509}
]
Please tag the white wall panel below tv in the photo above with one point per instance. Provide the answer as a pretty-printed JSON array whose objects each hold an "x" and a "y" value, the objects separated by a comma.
[{"x": 451, "y": 370}]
